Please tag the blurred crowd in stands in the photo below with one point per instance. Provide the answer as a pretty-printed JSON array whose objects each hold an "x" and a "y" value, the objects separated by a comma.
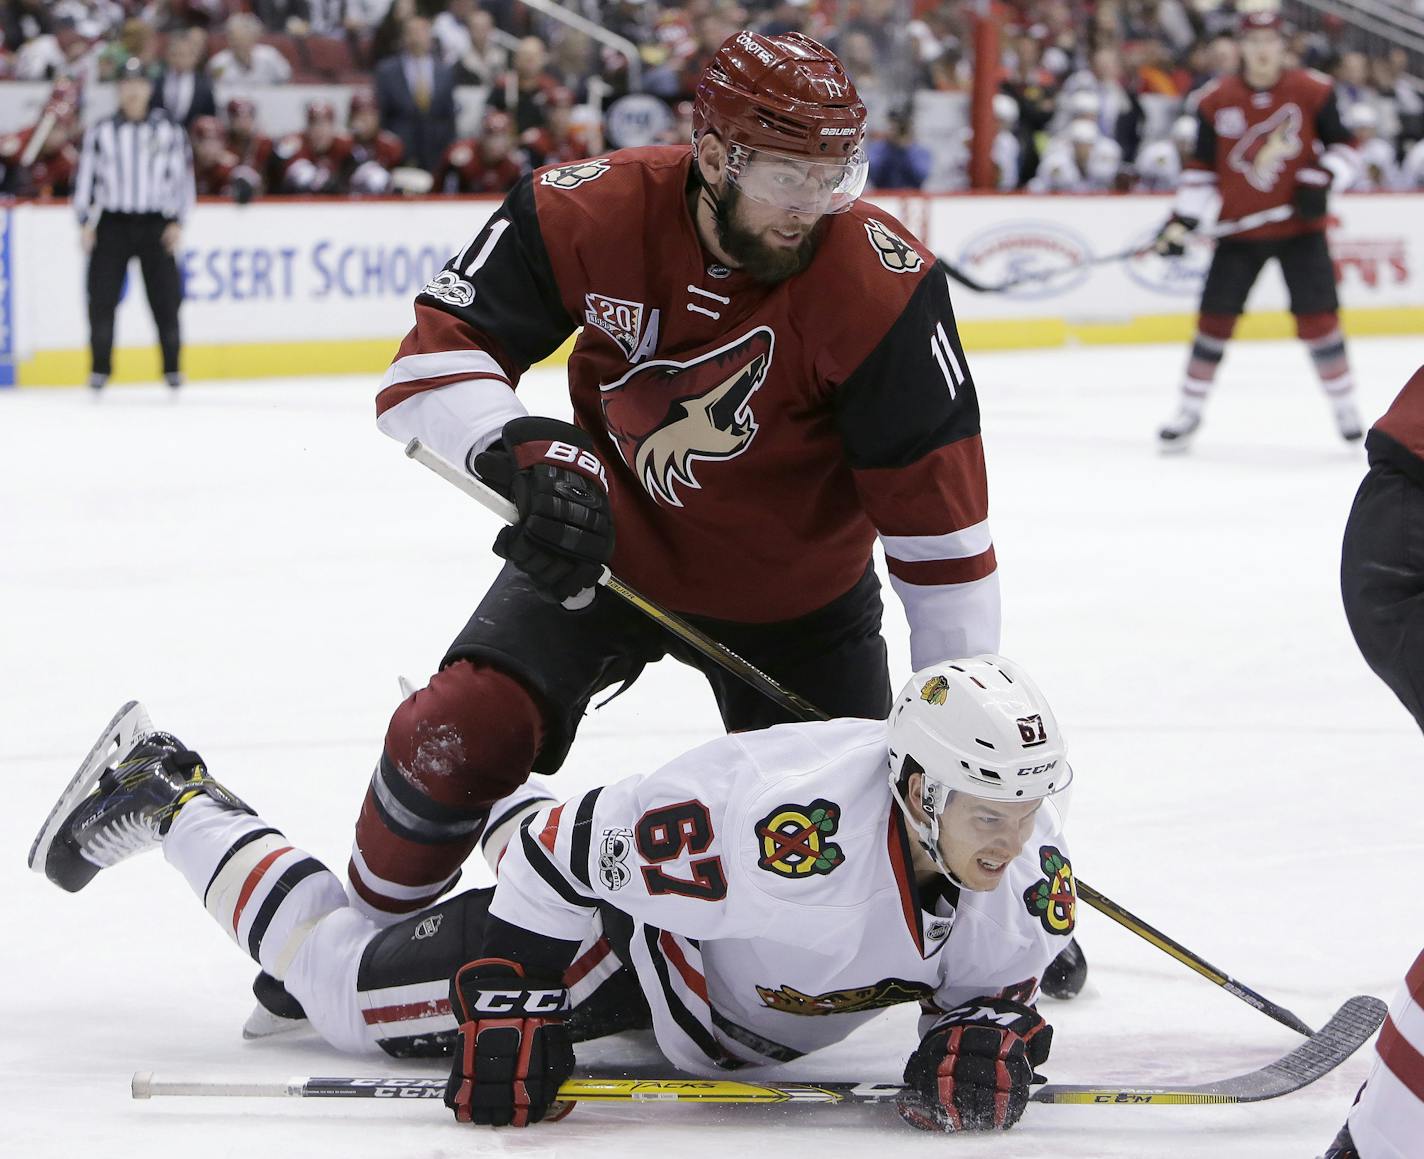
[{"x": 1078, "y": 79}]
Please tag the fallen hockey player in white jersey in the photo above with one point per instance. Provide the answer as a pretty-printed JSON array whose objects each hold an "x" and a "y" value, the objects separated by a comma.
[{"x": 753, "y": 900}]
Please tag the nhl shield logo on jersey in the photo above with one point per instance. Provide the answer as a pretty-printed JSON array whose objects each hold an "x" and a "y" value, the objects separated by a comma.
[
  {"x": 1053, "y": 901},
  {"x": 886, "y": 992},
  {"x": 664, "y": 416},
  {"x": 935, "y": 691},
  {"x": 1264, "y": 151},
  {"x": 895, "y": 255},
  {"x": 572, "y": 176},
  {"x": 794, "y": 839}
]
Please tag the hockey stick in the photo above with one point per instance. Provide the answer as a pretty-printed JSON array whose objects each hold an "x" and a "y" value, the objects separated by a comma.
[
  {"x": 805, "y": 710},
  {"x": 717, "y": 653},
  {"x": 1226, "y": 229},
  {"x": 1348, "y": 1030}
]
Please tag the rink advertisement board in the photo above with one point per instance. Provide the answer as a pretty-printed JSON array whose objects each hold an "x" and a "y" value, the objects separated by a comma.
[{"x": 326, "y": 287}]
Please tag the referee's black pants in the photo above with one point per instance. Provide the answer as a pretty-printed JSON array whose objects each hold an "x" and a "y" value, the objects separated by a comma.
[{"x": 121, "y": 237}]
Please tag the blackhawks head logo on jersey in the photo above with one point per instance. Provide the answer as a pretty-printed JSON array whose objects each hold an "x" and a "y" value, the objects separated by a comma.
[
  {"x": 1264, "y": 151},
  {"x": 664, "y": 415}
]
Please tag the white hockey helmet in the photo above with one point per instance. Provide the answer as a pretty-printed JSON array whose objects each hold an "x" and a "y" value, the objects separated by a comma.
[
  {"x": 1082, "y": 133},
  {"x": 979, "y": 726},
  {"x": 1184, "y": 130},
  {"x": 1084, "y": 104},
  {"x": 1360, "y": 115},
  {"x": 1006, "y": 110}
]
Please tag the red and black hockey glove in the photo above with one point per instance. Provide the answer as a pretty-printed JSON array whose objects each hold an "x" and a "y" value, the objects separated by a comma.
[
  {"x": 1310, "y": 196},
  {"x": 1171, "y": 241},
  {"x": 972, "y": 1071},
  {"x": 564, "y": 533},
  {"x": 513, "y": 1050}
]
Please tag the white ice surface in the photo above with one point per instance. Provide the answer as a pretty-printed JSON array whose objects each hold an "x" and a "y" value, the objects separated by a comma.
[{"x": 257, "y": 564}]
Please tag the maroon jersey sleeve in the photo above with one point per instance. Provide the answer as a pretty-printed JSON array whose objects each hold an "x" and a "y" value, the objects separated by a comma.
[
  {"x": 491, "y": 313},
  {"x": 1398, "y": 437},
  {"x": 909, "y": 419}
]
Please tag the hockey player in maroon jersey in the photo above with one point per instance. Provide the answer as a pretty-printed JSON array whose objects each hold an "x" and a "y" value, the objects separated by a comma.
[
  {"x": 56, "y": 157},
  {"x": 374, "y": 151},
  {"x": 254, "y": 150},
  {"x": 768, "y": 379},
  {"x": 489, "y": 163},
  {"x": 316, "y": 161},
  {"x": 558, "y": 140},
  {"x": 1268, "y": 138},
  {"x": 213, "y": 161},
  {"x": 1382, "y": 581}
]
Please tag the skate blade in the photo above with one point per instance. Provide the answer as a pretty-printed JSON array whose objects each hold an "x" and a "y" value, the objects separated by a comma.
[
  {"x": 262, "y": 1023},
  {"x": 120, "y": 737}
]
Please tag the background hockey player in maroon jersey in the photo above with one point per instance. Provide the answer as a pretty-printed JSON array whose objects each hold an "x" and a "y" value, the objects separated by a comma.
[
  {"x": 254, "y": 149},
  {"x": 1268, "y": 138},
  {"x": 375, "y": 151},
  {"x": 768, "y": 378},
  {"x": 316, "y": 161},
  {"x": 558, "y": 139},
  {"x": 213, "y": 161},
  {"x": 44, "y": 168},
  {"x": 489, "y": 163},
  {"x": 1382, "y": 581}
]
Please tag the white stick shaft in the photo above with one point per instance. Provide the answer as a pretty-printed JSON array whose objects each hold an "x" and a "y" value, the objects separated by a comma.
[
  {"x": 467, "y": 483},
  {"x": 145, "y": 1086},
  {"x": 1252, "y": 220},
  {"x": 38, "y": 138}
]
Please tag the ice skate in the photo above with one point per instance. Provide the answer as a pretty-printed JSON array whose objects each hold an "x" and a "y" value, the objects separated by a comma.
[
  {"x": 122, "y": 801},
  {"x": 1177, "y": 433},
  {"x": 1347, "y": 421},
  {"x": 276, "y": 1012},
  {"x": 1067, "y": 973},
  {"x": 1343, "y": 1146}
]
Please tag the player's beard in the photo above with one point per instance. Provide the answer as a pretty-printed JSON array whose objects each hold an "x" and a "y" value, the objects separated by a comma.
[{"x": 756, "y": 259}]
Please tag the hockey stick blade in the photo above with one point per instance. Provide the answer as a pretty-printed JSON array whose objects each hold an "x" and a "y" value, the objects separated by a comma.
[
  {"x": 119, "y": 738},
  {"x": 1349, "y": 1029}
]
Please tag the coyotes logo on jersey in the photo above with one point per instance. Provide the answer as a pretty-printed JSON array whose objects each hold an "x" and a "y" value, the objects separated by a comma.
[
  {"x": 1264, "y": 150},
  {"x": 665, "y": 415}
]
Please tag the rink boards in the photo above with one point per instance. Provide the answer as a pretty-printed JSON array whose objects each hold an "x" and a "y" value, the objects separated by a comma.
[{"x": 313, "y": 286}]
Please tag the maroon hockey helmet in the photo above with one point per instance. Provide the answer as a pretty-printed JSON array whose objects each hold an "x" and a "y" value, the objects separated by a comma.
[
  {"x": 1261, "y": 20},
  {"x": 784, "y": 94}
]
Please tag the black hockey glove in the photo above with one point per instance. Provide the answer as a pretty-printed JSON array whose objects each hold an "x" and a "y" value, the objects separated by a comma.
[
  {"x": 564, "y": 533},
  {"x": 972, "y": 1071},
  {"x": 1172, "y": 237},
  {"x": 513, "y": 1050},
  {"x": 1310, "y": 197}
]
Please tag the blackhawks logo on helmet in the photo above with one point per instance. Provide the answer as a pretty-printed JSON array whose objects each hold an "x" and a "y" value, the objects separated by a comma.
[
  {"x": 572, "y": 176},
  {"x": 935, "y": 691},
  {"x": 794, "y": 841},
  {"x": 895, "y": 254},
  {"x": 1053, "y": 901}
]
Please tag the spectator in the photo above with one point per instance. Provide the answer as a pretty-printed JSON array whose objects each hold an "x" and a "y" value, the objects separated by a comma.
[
  {"x": 415, "y": 96},
  {"x": 451, "y": 29},
  {"x": 181, "y": 89},
  {"x": 489, "y": 164},
  {"x": 572, "y": 60},
  {"x": 484, "y": 59},
  {"x": 1352, "y": 81},
  {"x": 1032, "y": 88},
  {"x": 1083, "y": 159},
  {"x": 1378, "y": 168},
  {"x": 1392, "y": 82},
  {"x": 1004, "y": 153},
  {"x": 897, "y": 161},
  {"x": 1411, "y": 170},
  {"x": 137, "y": 41},
  {"x": 1119, "y": 115},
  {"x": 1221, "y": 56},
  {"x": 246, "y": 61},
  {"x": 253, "y": 149},
  {"x": 375, "y": 152},
  {"x": 524, "y": 90},
  {"x": 290, "y": 16},
  {"x": 316, "y": 161},
  {"x": 54, "y": 55},
  {"x": 559, "y": 139},
  {"x": 213, "y": 161},
  {"x": 1160, "y": 164},
  {"x": 386, "y": 41}
]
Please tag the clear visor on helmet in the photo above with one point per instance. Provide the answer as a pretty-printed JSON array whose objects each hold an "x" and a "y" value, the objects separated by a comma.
[{"x": 797, "y": 184}]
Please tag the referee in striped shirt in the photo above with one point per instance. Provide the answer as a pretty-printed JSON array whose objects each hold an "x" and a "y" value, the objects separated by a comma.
[{"x": 133, "y": 190}]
